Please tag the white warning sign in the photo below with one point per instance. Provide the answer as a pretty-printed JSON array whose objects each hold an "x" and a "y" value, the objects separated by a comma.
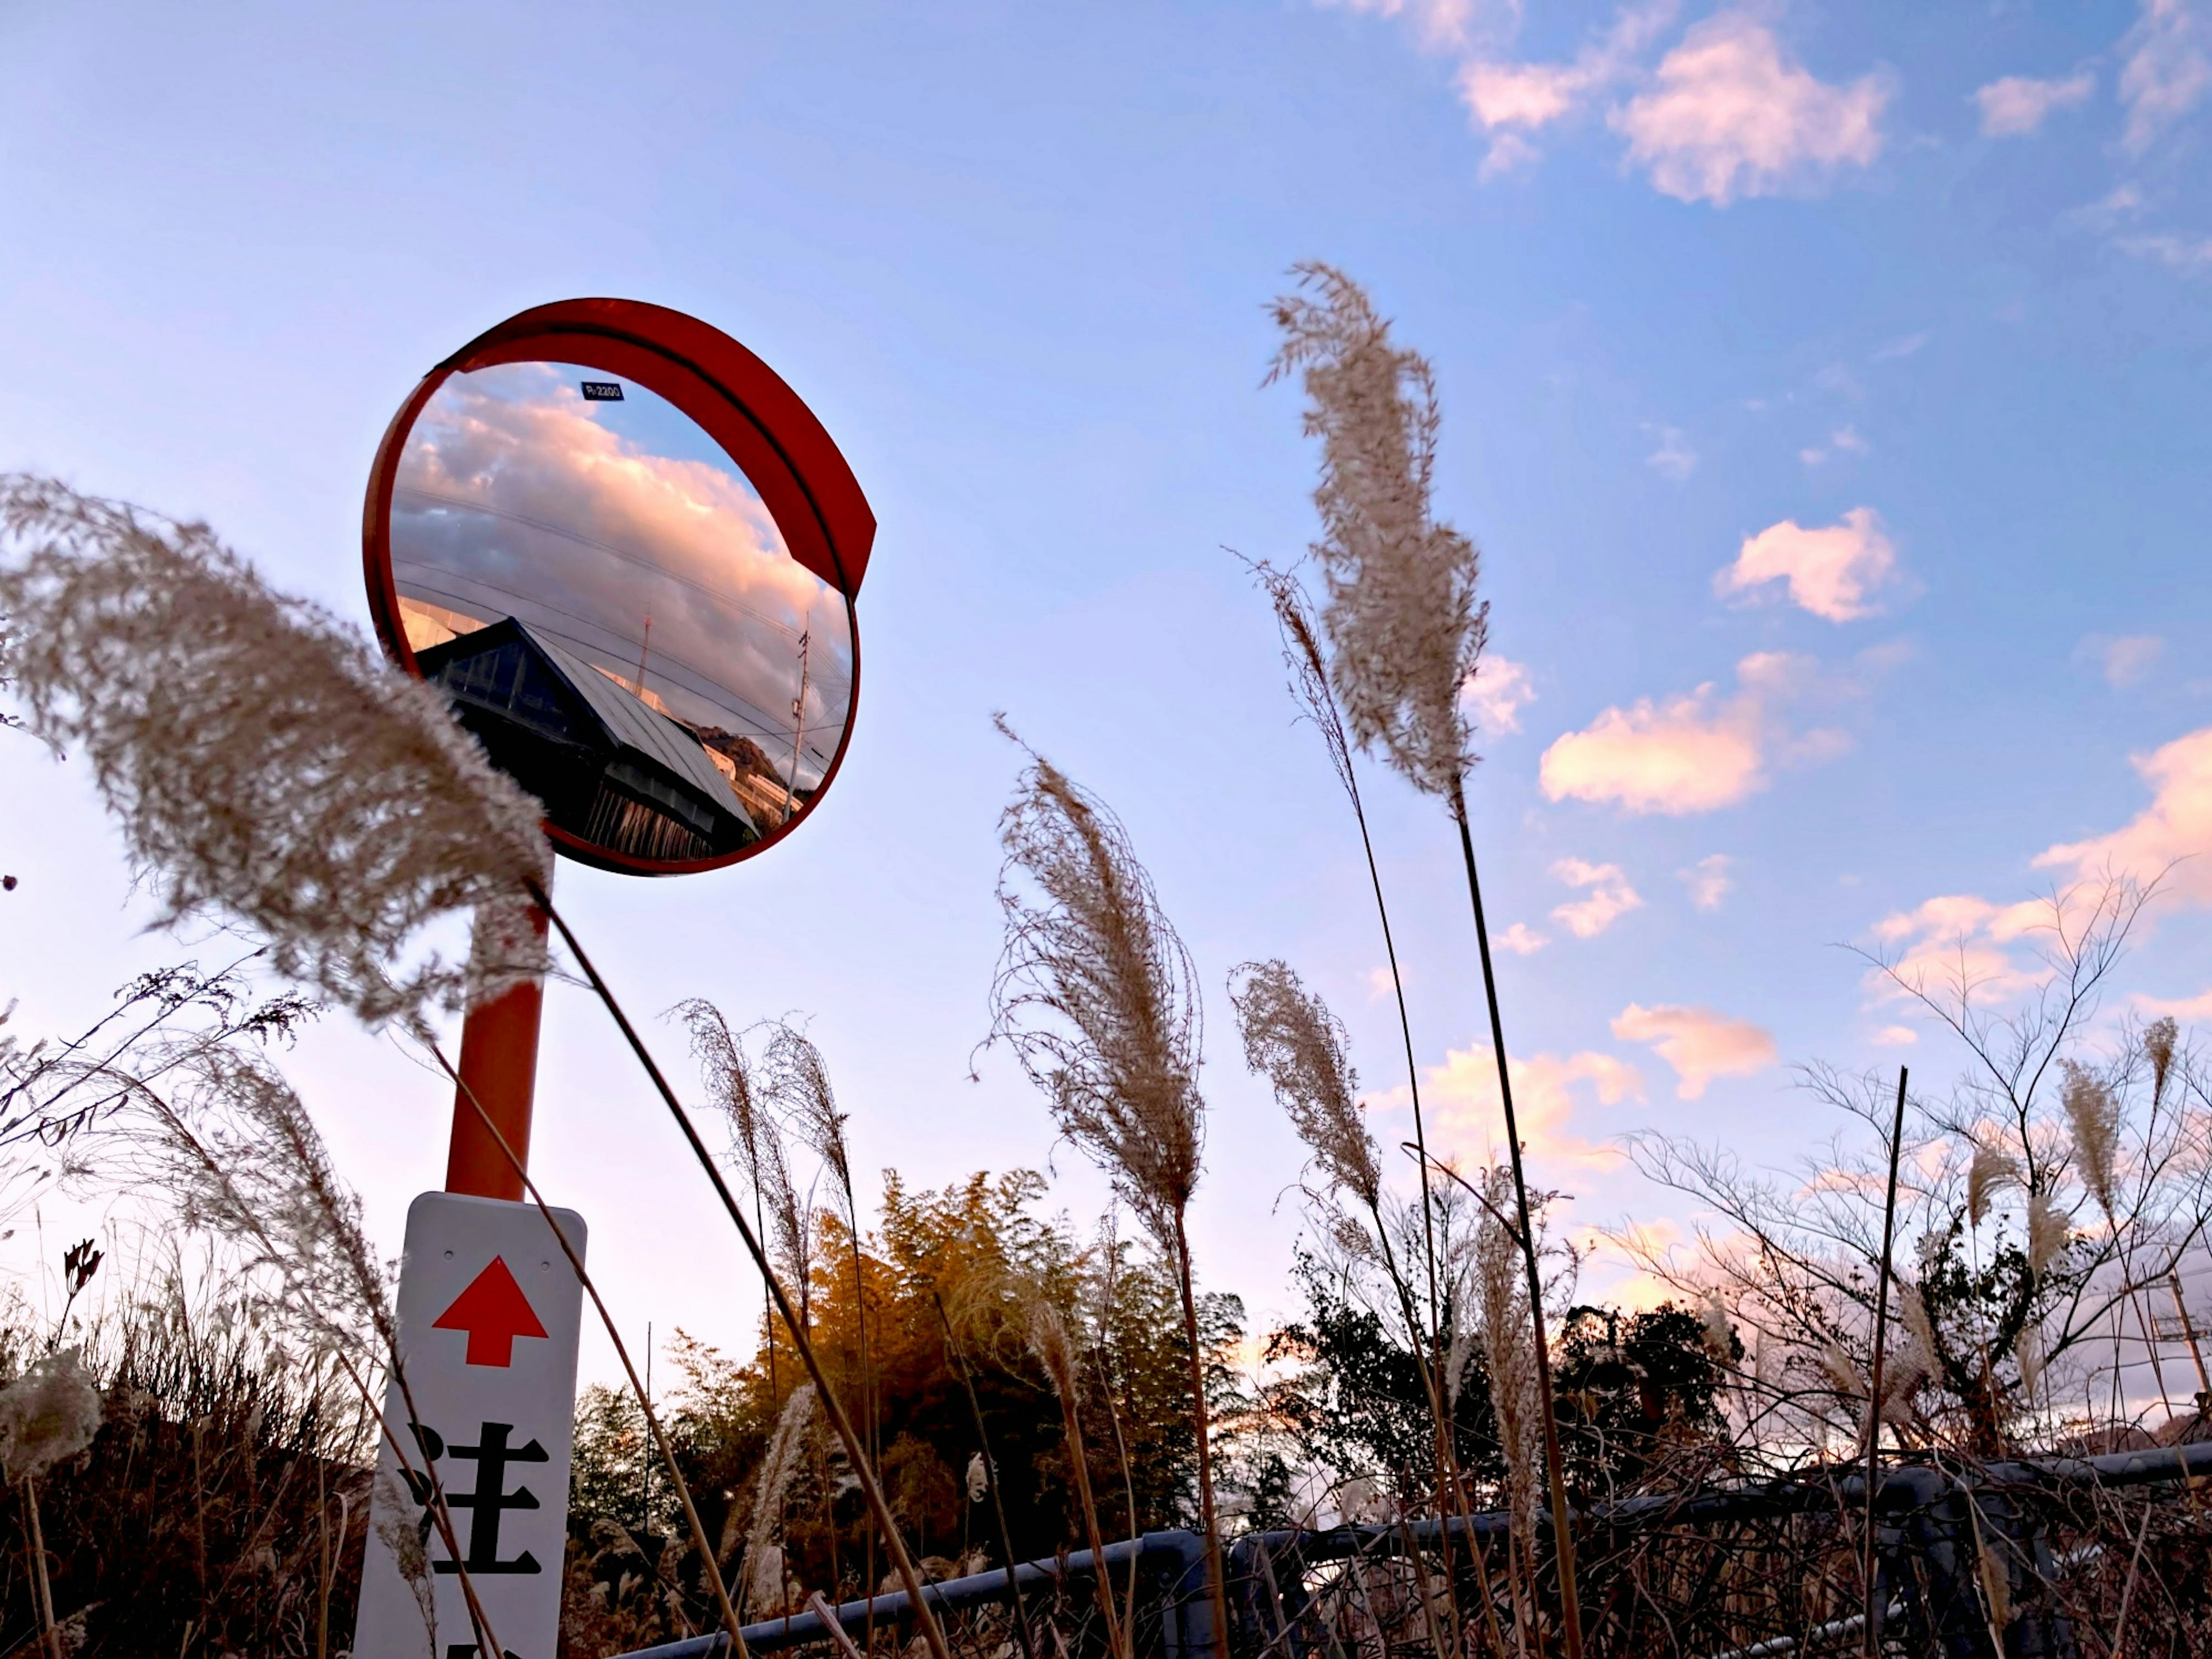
[{"x": 489, "y": 1314}]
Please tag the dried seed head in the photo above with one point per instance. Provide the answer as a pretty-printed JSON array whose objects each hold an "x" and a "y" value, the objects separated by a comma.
[
  {"x": 263, "y": 761},
  {"x": 1912, "y": 1310},
  {"x": 233, "y": 1148},
  {"x": 1509, "y": 1348},
  {"x": 799, "y": 1084},
  {"x": 2027, "y": 1353},
  {"x": 1992, "y": 1168},
  {"x": 1046, "y": 1331},
  {"x": 47, "y": 1415},
  {"x": 2047, "y": 1232},
  {"x": 2158, "y": 1040},
  {"x": 979, "y": 1479},
  {"x": 728, "y": 1074},
  {"x": 1291, "y": 1039},
  {"x": 1842, "y": 1374},
  {"x": 1401, "y": 617},
  {"x": 2095, "y": 1115},
  {"x": 764, "y": 1562},
  {"x": 1718, "y": 1336},
  {"x": 1308, "y": 668},
  {"x": 1096, "y": 996}
]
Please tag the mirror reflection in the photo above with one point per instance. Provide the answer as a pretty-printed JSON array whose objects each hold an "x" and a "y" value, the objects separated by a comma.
[{"x": 614, "y": 612}]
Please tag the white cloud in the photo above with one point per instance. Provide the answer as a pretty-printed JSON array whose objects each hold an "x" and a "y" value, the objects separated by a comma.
[
  {"x": 1895, "y": 1036},
  {"x": 1904, "y": 348},
  {"x": 1508, "y": 153},
  {"x": 2167, "y": 71},
  {"x": 1545, "y": 1086},
  {"x": 1693, "y": 753},
  {"x": 1689, "y": 754},
  {"x": 2123, "y": 661},
  {"x": 1496, "y": 692},
  {"x": 1959, "y": 942},
  {"x": 2187, "y": 254},
  {"x": 2175, "y": 830},
  {"x": 1609, "y": 897},
  {"x": 1731, "y": 116},
  {"x": 1844, "y": 440},
  {"x": 2124, "y": 200},
  {"x": 2019, "y": 103},
  {"x": 1509, "y": 101},
  {"x": 1438, "y": 22},
  {"x": 2192, "y": 1009},
  {"x": 1697, "y": 1043},
  {"x": 1522, "y": 939},
  {"x": 1709, "y": 880},
  {"x": 1830, "y": 572},
  {"x": 1673, "y": 458}
]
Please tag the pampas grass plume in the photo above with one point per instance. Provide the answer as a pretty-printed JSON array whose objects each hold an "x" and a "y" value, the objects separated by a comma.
[
  {"x": 2095, "y": 1115},
  {"x": 764, "y": 1561},
  {"x": 2047, "y": 1232},
  {"x": 1291, "y": 1039},
  {"x": 1096, "y": 996},
  {"x": 1992, "y": 1168},
  {"x": 47, "y": 1415},
  {"x": 1401, "y": 614},
  {"x": 263, "y": 762},
  {"x": 2158, "y": 1041}
]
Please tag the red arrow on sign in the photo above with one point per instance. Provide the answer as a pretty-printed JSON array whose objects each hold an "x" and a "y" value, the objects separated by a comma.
[{"x": 494, "y": 1311}]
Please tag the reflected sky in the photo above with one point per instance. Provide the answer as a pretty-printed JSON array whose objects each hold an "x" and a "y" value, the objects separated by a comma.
[{"x": 622, "y": 530}]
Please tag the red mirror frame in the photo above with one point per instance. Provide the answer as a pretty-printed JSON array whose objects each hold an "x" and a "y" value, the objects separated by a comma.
[{"x": 741, "y": 403}]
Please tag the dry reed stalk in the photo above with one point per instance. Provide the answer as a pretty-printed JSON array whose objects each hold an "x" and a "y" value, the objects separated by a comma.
[
  {"x": 831, "y": 1628},
  {"x": 1876, "y": 1397},
  {"x": 1097, "y": 997},
  {"x": 909, "y": 1579},
  {"x": 235, "y": 1150},
  {"x": 260, "y": 758},
  {"x": 1293, "y": 1040},
  {"x": 708, "y": 1565},
  {"x": 1406, "y": 634},
  {"x": 799, "y": 1084},
  {"x": 959, "y": 1358},
  {"x": 1308, "y": 680},
  {"x": 1046, "y": 1331},
  {"x": 730, "y": 1077}
]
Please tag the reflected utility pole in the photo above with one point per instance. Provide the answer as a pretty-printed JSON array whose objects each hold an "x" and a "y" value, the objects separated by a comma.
[{"x": 797, "y": 730}]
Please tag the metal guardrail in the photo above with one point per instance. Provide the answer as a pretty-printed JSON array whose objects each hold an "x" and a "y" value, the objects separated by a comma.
[{"x": 1931, "y": 1515}]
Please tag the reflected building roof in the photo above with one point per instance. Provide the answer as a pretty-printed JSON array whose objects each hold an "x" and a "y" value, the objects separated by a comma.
[{"x": 630, "y": 721}]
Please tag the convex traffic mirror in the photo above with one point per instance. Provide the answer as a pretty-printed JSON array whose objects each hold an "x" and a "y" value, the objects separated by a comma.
[{"x": 629, "y": 555}]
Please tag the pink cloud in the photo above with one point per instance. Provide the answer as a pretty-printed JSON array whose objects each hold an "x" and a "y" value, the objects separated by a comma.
[
  {"x": 1609, "y": 897},
  {"x": 1697, "y": 1043},
  {"x": 2167, "y": 71},
  {"x": 1693, "y": 753},
  {"x": 1709, "y": 881},
  {"x": 1959, "y": 943},
  {"x": 1830, "y": 572},
  {"x": 2175, "y": 830},
  {"x": 1522, "y": 939},
  {"x": 1731, "y": 116},
  {"x": 1545, "y": 1089},
  {"x": 1496, "y": 692},
  {"x": 2019, "y": 103}
]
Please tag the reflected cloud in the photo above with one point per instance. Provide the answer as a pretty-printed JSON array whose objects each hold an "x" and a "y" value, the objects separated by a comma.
[{"x": 619, "y": 530}]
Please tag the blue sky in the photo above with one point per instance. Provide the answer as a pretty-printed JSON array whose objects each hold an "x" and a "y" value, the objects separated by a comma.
[{"x": 1826, "y": 388}]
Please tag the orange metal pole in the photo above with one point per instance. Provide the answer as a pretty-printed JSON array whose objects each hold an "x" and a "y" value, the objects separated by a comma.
[{"x": 499, "y": 1066}]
